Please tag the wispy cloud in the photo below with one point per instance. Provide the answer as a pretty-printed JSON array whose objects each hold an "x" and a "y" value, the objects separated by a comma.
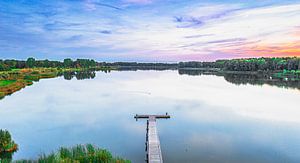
[
  {"x": 226, "y": 41},
  {"x": 138, "y": 1},
  {"x": 74, "y": 38},
  {"x": 160, "y": 30},
  {"x": 187, "y": 22},
  {"x": 59, "y": 25},
  {"x": 199, "y": 15},
  {"x": 197, "y": 36},
  {"x": 105, "y": 32},
  {"x": 107, "y": 5},
  {"x": 92, "y": 5}
]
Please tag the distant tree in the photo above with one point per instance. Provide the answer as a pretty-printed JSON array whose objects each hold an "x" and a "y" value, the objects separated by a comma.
[
  {"x": 46, "y": 63},
  {"x": 249, "y": 64},
  {"x": 21, "y": 64},
  {"x": 10, "y": 63},
  {"x": 68, "y": 63},
  {"x": 2, "y": 66},
  {"x": 30, "y": 63}
]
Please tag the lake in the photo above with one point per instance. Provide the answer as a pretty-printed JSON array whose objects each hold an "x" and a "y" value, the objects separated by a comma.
[{"x": 212, "y": 120}]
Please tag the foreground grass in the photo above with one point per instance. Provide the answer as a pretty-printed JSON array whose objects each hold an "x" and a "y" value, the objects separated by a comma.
[{"x": 78, "y": 154}]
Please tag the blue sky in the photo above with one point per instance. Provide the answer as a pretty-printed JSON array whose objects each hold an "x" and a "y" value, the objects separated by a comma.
[{"x": 149, "y": 30}]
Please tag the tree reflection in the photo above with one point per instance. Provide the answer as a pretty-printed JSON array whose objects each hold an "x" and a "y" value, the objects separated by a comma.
[
  {"x": 79, "y": 75},
  {"x": 249, "y": 78}
]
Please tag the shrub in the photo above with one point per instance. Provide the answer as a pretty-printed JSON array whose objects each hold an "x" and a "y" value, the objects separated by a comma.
[{"x": 7, "y": 146}]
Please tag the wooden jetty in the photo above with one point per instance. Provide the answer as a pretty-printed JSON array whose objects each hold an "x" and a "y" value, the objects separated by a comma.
[{"x": 153, "y": 150}]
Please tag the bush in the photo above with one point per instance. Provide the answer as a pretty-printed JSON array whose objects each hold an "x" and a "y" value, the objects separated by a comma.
[{"x": 7, "y": 146}]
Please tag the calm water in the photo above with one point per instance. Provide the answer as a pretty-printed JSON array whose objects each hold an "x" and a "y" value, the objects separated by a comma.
[{"x": 212, "y": 120}]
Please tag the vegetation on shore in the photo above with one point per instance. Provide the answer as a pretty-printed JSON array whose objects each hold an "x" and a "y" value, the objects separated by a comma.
[
  {"x": 77, "y": 154},
  {"x": 14, "y": 80},
  {"x": 282, "y": 68},
  {"x": 15, "y": 74},
  {"x": 10, "y": 64},
  {"x": 249, "y": 64},
  {"x": 7, "y": 146}
]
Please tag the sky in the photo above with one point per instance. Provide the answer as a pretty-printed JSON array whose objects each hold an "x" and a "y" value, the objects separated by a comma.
[{"x": 149, "y": 30}]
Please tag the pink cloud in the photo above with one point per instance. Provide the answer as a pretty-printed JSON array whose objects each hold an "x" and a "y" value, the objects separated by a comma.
[{"x": 282, "y": 50}]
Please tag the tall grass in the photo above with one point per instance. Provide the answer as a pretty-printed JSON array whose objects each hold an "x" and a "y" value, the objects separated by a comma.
[{"x": 78, "y": 154}]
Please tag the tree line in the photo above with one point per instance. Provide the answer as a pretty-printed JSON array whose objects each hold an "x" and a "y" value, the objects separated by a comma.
[
  {"x": 250, "y": 64},
  {"x": 6, "y": 65},
  {"x": 9, "y": 64}
]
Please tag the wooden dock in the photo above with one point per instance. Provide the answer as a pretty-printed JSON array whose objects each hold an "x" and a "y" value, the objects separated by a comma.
[
  {"x": 166, "y": 116},
  {"x": 153, "y": 149}
]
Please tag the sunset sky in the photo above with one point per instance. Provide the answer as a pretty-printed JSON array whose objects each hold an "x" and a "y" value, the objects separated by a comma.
[{"x": 149, "y": 30}]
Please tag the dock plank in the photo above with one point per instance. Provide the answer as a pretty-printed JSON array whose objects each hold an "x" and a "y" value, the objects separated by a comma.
[{"x": 153, "y": 149}]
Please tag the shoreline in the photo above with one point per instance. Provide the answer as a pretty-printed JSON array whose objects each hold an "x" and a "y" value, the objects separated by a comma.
[{"x": 16, "y": 79}]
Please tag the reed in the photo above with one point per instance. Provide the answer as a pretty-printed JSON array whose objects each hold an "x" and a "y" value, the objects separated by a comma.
[{"x": 78, "y": 154}]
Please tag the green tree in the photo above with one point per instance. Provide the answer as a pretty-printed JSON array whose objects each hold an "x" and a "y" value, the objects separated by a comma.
[
  {"x": 30, "y": 63},
  {"x": 7, "y": 146},
  {"x": 2, "y": 66},
  {"x": 68, "y": 63}
]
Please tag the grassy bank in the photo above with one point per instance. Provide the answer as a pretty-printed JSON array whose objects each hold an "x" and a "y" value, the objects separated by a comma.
[
  {"x": 4, "y": 83},
  {"x": 78, "y": 154},
  {"x": 16, "y": 79}
]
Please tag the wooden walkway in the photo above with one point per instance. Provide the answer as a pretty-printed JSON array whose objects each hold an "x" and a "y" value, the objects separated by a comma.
[{"x": 152, "y": 140}]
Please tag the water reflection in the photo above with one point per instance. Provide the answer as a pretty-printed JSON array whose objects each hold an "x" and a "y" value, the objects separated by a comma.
[
  {"x": 253, "y": 79},
  {"x": 212, "y": 120},
  {"x": 156, "y": 68},
  {"x": 80, "y": 75}
]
